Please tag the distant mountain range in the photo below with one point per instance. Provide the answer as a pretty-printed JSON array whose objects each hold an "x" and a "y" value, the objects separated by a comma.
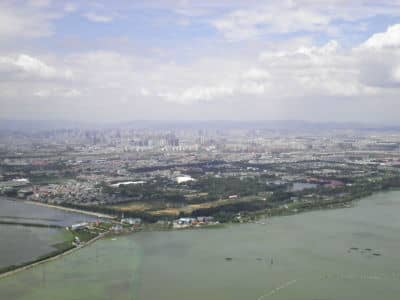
[{"x": 278, "y": 125}]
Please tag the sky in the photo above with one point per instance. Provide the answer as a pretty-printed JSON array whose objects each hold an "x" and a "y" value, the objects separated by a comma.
[{"x": 112, "y": 61}]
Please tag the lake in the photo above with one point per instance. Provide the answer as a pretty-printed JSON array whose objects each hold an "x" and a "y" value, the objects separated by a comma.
[
  {"x": 21, "y": 244},
  {"x": 347, "y": 253},
  {"x": 25, "y": 212}
]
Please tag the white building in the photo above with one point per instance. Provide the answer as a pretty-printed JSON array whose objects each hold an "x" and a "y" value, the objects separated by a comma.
[{"x": 131, "y": 221}]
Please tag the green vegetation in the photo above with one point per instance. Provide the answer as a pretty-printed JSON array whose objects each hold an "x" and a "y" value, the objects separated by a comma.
[
  {"x": 149, "y": 192},
  {"x": 84, "y": 235},
  {"x": 254, "y": 195},
  {"x": 204, "y": 189},
  {"x": 48, "y": 179}
]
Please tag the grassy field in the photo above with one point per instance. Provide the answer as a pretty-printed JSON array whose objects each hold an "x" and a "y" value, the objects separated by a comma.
[
  {"x": 133, "y": 207},
  {"x": 193, "y": 207}
]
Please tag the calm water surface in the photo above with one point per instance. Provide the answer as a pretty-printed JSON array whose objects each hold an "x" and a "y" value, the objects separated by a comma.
[
  {"x": 25, "y": 212},
  {"x": 21, "y": 244},
  {"x": 303, "y": 257}
]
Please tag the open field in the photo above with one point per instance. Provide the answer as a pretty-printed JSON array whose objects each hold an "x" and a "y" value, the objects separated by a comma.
[{"x": 189, "y": 209}]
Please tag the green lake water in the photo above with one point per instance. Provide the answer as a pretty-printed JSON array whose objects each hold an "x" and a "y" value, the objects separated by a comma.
[{"x": 303, "y": 257}]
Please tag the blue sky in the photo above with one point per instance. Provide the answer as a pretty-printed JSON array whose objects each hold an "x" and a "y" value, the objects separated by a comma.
[{"x": 316, "y": 60}]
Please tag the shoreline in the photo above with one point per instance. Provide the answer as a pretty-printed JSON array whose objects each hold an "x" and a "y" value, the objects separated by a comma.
[
  {"x": 100, "y": 236},
  {"x": 261, "y": 214},
  {"x": 84, "y": 212}
]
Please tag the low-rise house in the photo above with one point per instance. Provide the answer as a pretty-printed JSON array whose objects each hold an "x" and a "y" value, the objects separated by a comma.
[
  {"x": 79, "y": 226},
  {"x": 23, "y": 193},
  {"x": 131, "y": 221},
  {"x": 117, "y": 228},
  {"x": 186, "y": 221},
  {"x": 205, "y": 219}
]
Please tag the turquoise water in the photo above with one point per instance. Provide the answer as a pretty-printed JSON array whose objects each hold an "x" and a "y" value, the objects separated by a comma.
[{"x": 302, "y": 257}]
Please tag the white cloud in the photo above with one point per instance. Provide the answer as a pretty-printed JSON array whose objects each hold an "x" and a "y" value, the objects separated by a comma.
[
  {"x": 198, "y": 93},
  {"x": 379, "y": 59},
  {"x": 253, "y": 88},
  {"x": 388, "y": 39},
  {"x": 94, "y": 17},
  {"x": 24, "y": 22},
  {"x": 34, "y": 66},
  {"x": 25, "y": 69},
  {"x": 313, "y": 71},
  {"x": 279, "y": 17},
  {"x": 256, "y": 74},
  {"x": 288, "y": 16},
  {"x": 144, "y": 92},
  {"x": 305, "y": 71},
  {"x": 25, "y": 66}
]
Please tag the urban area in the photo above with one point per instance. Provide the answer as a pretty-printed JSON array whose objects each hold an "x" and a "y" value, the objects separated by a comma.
[{"x": 192, "y": 176}]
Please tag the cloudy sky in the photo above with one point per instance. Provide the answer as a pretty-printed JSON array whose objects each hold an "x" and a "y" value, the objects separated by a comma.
[{"x": 317, "y": 60}]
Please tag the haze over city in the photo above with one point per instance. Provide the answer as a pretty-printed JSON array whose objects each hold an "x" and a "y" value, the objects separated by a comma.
[{"x": 114, "y": 61}]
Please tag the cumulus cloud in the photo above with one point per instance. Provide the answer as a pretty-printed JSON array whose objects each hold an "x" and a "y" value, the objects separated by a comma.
[
  {"x": 26, "y": 66},
  {"x": 312, "y": 71},
  {"x": 388, "y": 39},
  {"x": 34, "y": 66},
  {"x": 308, "y": 71},
  {"x": 379, "y": 59},
  {"x": 303, "y": 70}
]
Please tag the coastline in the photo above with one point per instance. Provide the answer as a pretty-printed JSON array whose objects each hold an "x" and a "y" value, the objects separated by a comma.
[
  {"x": 347, "y": 203},
  {"x": 76, "y": 275}
]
